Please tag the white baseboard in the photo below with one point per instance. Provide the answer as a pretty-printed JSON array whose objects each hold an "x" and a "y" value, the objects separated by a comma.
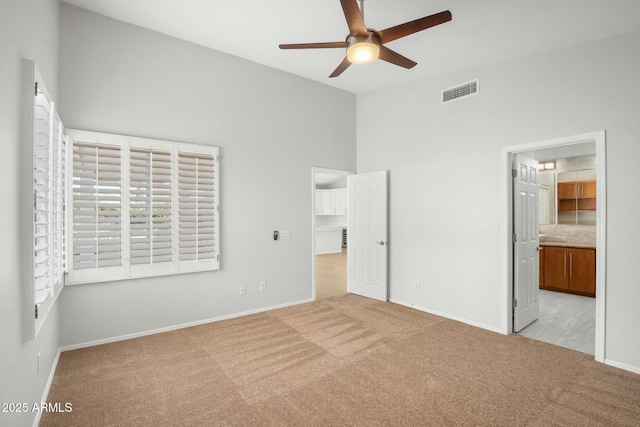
[
  {"x": 448, "y": 316},
  {"x": 626, "y": 367},
  {"x": 180, "y": 326},
  {"x": 47, "y": 386}
]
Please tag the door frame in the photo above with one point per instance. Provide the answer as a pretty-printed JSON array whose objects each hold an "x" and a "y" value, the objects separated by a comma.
[
  {"x": 599, "y": 138},
  {"x": 315, "y": 170}
]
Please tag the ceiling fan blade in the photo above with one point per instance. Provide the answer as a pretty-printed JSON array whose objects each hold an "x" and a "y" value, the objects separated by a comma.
[
  {"x": 389, "y": 55},
  {"x": 343, "y": 66},
  {"x": 323, "y": 45},
  {"x": 411, "y": 27},
  {"x": 355, "y": 21}
]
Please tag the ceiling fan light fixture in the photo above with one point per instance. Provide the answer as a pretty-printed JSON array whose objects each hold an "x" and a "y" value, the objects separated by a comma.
[{"x": 363, "y": 52}]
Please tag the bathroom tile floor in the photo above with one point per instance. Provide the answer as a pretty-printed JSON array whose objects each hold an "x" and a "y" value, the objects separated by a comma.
[{"x": 565, "y": 320}]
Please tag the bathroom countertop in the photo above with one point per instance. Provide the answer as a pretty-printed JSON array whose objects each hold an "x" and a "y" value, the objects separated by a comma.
[{"x": 574, "y": 236}]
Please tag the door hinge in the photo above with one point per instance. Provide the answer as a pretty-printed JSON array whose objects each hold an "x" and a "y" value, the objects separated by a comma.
[
  {"x": 36, "y": 93},
  {"x": 36, "y": 313},
  {"x": 514, "y": 237},
  {"x": 515, "y": 303},
  {"x": 514, "y": 173}
]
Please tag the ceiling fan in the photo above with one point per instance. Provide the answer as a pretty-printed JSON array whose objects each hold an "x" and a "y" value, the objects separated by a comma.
[{"x": 365, "y": 45}]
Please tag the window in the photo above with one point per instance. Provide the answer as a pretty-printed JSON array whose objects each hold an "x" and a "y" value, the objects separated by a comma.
[
  {"x": 141, "y": 207},
  {"x": 45, "y": 171}
]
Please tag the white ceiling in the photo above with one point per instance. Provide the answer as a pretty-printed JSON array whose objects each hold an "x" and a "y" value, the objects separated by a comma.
[{"x": 481, "y": 32}]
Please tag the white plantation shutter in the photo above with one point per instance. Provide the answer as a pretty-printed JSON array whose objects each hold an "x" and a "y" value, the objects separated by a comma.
[
  {"x": 44, "y": 164},
  {"x": 150, "y": 206},
  {"x": 141, "y": 207},
  {"x": 198, "y": 206},
  {"x": 43, "y": 152},
  {"x": 96, "y": 205}
]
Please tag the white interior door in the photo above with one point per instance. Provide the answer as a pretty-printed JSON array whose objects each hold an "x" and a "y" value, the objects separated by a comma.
[
  {"x": 525, "y": 246},
  {"x": 367, "y": 243}
]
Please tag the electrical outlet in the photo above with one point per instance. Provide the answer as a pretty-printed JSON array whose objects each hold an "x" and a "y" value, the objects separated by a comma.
[
  {"x": 416, "y": 284},
  {"x": 263, "y": 286},
  {"x": 243, "y": 289}
]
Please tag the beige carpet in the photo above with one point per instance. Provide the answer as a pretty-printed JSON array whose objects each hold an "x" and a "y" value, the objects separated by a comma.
[{"x": 339, "y": 361}]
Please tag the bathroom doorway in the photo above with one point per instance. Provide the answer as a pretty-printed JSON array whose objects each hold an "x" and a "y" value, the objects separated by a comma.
[{"x": 562, "y": 148}]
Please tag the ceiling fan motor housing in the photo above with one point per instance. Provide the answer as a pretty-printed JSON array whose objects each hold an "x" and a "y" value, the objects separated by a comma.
[{"x": 363, "y": 49}]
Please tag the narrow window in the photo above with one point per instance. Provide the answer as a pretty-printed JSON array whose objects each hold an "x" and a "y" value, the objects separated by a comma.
[{"x": 44, "y": 203}]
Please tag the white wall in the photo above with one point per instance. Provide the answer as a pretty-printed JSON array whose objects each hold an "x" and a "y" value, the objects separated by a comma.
[
  {"x": 272, "y": 128},
  {"x": 28, "y": 29},
  {"x": 447, "y": 234},
  {"x": 548, "y": 179}
]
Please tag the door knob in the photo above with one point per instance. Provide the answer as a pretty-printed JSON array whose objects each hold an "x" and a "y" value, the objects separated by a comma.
[{"x": 381, "y": 242}]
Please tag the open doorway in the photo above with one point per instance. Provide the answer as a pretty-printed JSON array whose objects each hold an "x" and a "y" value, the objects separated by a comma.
[
  {"x": 330, "y": 210},
  {"x": 564, "y": 229},
  {"x": 566, "y": 247}
]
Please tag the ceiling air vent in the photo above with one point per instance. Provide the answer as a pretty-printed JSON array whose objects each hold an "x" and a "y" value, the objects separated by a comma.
[{"x": 460, "y": 91}]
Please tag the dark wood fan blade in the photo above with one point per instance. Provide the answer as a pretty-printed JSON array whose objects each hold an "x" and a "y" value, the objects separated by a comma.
[
  {"x": 343, "y": 66},
  {"x": 323, "y": 45},
  {"x": 411, "y": 27},
  {"x": 354, "y": 18},
  {"x": 389, "y": 55}
]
